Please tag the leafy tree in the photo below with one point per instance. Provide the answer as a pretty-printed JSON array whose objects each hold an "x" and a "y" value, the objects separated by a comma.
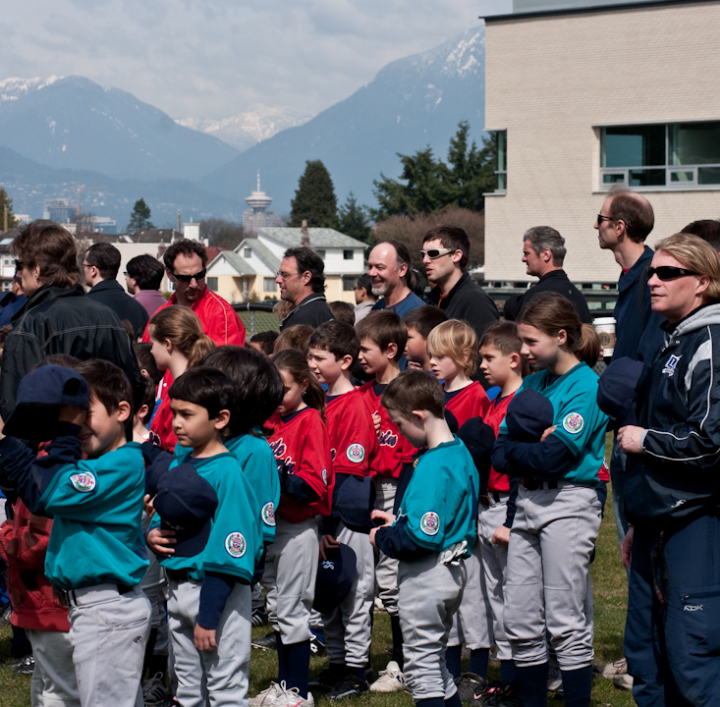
[
  {"x": 222, "y": 233},
  {"x": 140, "y": 217},
  {"x": 432, "y": 185},
  {"x": 353, "y": 219},
  {"x": 315, "y": 199},
  {"x": 6, "y": 201}
]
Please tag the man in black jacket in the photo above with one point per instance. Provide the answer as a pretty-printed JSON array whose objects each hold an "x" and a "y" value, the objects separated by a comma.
[
  {"x": 58, "y": 317},
  {"x": 446, "y": 252},
  {"x": 543, "y": 254},
  {"x": 101, "y": 265}
]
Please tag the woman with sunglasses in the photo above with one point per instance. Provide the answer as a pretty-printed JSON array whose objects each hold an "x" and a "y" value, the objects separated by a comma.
[{"x": 672, "y": 487}]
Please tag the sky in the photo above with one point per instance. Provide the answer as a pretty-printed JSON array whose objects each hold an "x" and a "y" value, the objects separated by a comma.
[{"x": 217, "y": 58}]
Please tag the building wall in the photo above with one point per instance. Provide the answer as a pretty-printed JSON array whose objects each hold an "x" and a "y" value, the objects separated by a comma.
[
  {"x": 230, "y": 287},
  {"x": 550, "y": 79}
]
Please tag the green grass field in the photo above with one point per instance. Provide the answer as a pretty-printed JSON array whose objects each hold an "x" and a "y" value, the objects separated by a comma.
[{"x": 610, "y": 595}]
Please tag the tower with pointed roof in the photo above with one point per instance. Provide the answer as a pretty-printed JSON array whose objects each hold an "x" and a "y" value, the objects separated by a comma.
[{"x": 258, "y": 216}]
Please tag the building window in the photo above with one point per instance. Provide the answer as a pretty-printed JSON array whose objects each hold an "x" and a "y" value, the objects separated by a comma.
[
  {"x": 349, "y": 283},
  {"x": 247, "y": 252},
  {"x": 672, "y": 155},
  {"x": 348, "y": 254},
  {"x": 269, "y": 284},
  {"x": 7, "y": 260},
  {"x": 7, "y": 285},
  {"x": 321, "y": 252},
  {"x": 212, "y": 283},
  {"x": 500, "y": 143}
]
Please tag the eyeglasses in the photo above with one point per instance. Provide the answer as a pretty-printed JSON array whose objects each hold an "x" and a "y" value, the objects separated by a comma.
[
  {"x": 436, "y": 252},
  {"x": 601, "y": 218},
  {"x": 669, "y": 272},
  {"x": 189, "y": 278},
  {"x": 284, "y": 276},
  {"x": 86, "y": 265}
]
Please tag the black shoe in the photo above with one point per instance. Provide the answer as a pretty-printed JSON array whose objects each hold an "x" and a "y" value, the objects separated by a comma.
[
  {"x": 469, "y": 685},
  {"x": 505, "y": 696},
  {"x": 328, "y": 678},
  {"x": 349, "y": 686},
  {"x": 266, "y": 643},
  {"x": 317, "y": 644},
  {"x": 24, "y": 666},
  {"x": 259, "y": 618}
]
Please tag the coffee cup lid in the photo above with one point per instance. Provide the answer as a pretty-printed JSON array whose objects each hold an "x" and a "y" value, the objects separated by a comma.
[{"x": 604, "y": 320}]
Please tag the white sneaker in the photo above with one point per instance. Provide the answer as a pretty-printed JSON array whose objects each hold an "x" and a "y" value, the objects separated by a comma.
[
  {"x": 268, "y": 696},
  {"x": 624, "y": 682},
  {"x": 391, "y": 679},
  {"x": 611, "y": 670},
  {"x": 291, "y": 698}
]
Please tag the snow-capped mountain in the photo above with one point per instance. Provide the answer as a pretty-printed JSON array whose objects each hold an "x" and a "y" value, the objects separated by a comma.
[{"x": 250, "y": 127}]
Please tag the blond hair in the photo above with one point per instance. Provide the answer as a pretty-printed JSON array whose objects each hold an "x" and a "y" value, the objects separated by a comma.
[
  {"x": 181, "y": 327},
  {"x": 697, "y": 255},
  {"x": 457, "y": 340}
]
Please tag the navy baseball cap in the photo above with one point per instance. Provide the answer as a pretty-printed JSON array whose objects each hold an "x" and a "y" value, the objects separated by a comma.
[
  {"x": 479, "y": 438},
  {"x": 334, "y": 578},
  {"x": 529, "y": 414},
  {"x": 39, "y": 397},
  {"x": 355, "y": 501},
  {"x": 617, "y": 390},
  {"x": 186, "y": 504},
  {"x": 154, "y": 472}
]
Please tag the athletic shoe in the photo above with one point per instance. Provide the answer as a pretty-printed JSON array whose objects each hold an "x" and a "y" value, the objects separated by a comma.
[
  {"x": 5, "y": 613},
  {"x": 624, "y": 682},
  {"x": 554, "y": 682},
  {"x": 268, "y": 696},
  {"x": 349, "y": 686},
  {"x": 468, "y": 685},
  {"x": 259, "y": 618},
  {"x": 317, "y": 643},
  {"x": 154, "y": 690},
  {"x": 24, "y": 666},
  {"x": 328, "y": 677},
  {"x": 391, "y": 679},
  {"x": 610, "y": 670},
  {"x": 291, "y": 698},
  {"x": 378, "y": 606},
  {"x": 266, "y": 643},
  {"x": 503, "y": 696}
]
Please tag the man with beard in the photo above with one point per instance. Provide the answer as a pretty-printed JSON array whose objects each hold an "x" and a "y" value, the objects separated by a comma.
[{"x": 392, "y": 278}]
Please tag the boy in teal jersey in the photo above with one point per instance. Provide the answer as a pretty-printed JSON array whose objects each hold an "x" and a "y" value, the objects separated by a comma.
[
  {"x": 209, "y": 603},
  {"x": 96, "y": 556},
  {"x": 431, "y": 535}
]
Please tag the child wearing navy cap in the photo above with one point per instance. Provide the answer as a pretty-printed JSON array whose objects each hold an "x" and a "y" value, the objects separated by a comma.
[{"x": 209, "y": 553}]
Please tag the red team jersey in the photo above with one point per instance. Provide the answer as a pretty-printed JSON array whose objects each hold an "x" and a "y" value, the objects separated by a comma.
[
  {"x": 471, "y": 401},
  {"x": 393, "y": 449},
  {"x": 161, "y": 431},
  {"x": 353, "y": 442},
  {"x": 301, "y": 443},
  {"x": 496, "y": 414}
]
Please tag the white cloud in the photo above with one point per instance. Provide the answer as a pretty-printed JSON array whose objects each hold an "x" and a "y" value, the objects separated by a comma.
[{"x": 215, "y": 58}]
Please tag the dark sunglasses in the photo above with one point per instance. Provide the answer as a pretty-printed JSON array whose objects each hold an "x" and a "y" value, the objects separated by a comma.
[
  {"x": 601, "y": 218},
  {"x": 189, "y": 278},
  {"x": 669, "y": 272}
]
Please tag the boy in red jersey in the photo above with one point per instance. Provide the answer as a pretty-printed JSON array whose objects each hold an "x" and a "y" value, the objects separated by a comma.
[
  {"x": 383, "y": 336},
  {"x": 334, "y": 349}
]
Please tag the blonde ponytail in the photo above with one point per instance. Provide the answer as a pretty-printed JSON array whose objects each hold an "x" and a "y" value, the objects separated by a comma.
[{"x": 182, "y": 328}]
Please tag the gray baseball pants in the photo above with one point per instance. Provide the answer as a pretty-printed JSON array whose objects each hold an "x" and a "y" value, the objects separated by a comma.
[
  {"x": 386, "y": 568},
  {"x": 430, "y": 593},
  {"x": 348, "y": 627},
  {"x": 108, "y": 633},
  {"x": 217, "y": 678},
  {"x": 53, "y": 679},
  {"x": 548, "y": 575}
]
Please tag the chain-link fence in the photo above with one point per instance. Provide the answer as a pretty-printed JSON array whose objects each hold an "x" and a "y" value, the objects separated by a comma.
[{"x": 257, "y": 317}]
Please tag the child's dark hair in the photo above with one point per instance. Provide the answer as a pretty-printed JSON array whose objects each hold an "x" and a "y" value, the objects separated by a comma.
[
  {"x": 64, "y": 360},
  {"x": 343, "y": 312},
  {"x": 148, "y": 398},
  {"x": 207, "y": 387},
  {"x": 424, "y": 319},
  {"x": 259, "y": 387},
  {"x": 551, "y": 313},
  {"x": 107, "y": 382},
  {"x": 384, "y": 328},
  {"x": 146, "y": 361},
  {"x": 414, "y": 390},
  {"x": 294, "y": 337},
  {"x": 336, "y": 337},
  {"x": 502, "y": 336},
  {"x": 296, "y": 365},
  {"x": 266, "y": 341}
]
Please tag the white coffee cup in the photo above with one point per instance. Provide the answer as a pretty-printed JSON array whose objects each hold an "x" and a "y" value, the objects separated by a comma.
[{"x": 605, "y": 329}]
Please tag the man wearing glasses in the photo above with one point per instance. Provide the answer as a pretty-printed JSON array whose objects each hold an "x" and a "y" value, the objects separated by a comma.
[{"x": 185, "y": 263}]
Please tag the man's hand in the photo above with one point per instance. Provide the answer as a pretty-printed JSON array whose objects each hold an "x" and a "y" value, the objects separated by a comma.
[
  {"x": 148, "y": 505},
  {"x": 630, "y": 439},
  {"x": 626, "y": 547},
  {"x": 160, "y": 541},
  {"x": 385, "y": 516},
  {"x": 72, "y": 414},
  {"x": 327, "y": 542},
  {"x": 501, "y": 536},
  {"x": 204, "y": 638},
  {"x": 548, "y": 432}
]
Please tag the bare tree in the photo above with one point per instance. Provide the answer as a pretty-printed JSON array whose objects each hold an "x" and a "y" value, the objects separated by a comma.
[{"x": 222, "y": 233}]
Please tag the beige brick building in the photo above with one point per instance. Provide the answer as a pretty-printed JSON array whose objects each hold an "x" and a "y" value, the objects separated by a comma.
[{"x": 583, "y": 95}]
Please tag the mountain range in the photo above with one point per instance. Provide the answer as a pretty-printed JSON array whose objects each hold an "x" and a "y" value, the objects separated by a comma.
[{"x": 59, "y": 131}]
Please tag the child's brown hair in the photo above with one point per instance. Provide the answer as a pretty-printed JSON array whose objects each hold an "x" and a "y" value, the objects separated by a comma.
[{"x": 384, "y": 328}]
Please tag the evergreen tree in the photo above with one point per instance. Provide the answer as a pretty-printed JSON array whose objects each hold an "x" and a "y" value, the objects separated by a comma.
[
  {"x": 315, "y": 199},
  {"x": 354, "y": 219},
  {"x": 6, "y": 201},
  {"x": 140, "y": 217}
]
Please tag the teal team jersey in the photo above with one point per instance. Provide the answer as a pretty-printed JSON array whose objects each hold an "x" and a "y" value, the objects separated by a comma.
[
  {"x": 97, "y": 507},
  {"x": 440, "y": 502},
  {"x": 235, "y": 541},
  {"x": 580, "y": 423}
]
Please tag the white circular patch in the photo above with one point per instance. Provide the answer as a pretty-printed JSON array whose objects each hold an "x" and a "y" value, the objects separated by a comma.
[
  {"x": 268, "y": 514},
  {"x": 235, "y": 545},
  {"x": 573, "y": 422},
  {"x": 430, "y": 523},
  {"x": 356, "y": 453},
  {"x": 324, "y": 476},
  {"x": 83, "y": 481}
]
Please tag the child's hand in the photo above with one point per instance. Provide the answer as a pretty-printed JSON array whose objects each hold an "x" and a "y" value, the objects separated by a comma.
[
  {"x": 414, "y": 365},
  {"x": 548, "y": 432},
  {"x": 72, "y": 414},
  {"x": 385, "y": 516},
  {"x": 376, "y": 422},
  {"x": 148, "y": 505},
  {"x": 501, "y": 536},
  {"x": 204, "y": 638},
  {"x": 159, "y": 541},
  {"x": 327, "y": 542}
]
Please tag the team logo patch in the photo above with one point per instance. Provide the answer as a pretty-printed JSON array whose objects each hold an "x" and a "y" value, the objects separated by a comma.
[
  {"x": 268, "y": 514},
  {"x": 328, "y": 565},
  {"x": 324, "y": 476},
  {"x": 671, "y": 365},
  {"x": 356, "y": 453},
  {"x": 573, "y": 422},
  {"x": 430, "y": 523},
  {"x": 83, "y": 482},
  {"x": 235, "y": 544}
]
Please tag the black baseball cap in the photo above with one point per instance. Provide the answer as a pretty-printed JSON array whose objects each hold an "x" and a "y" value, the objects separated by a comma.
[
  {"x": 334, "y": 577},
  {"x": 617, "y": 390},
  {"x": 529, "y": 414},
  {"x": 355, "y": 502}
]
